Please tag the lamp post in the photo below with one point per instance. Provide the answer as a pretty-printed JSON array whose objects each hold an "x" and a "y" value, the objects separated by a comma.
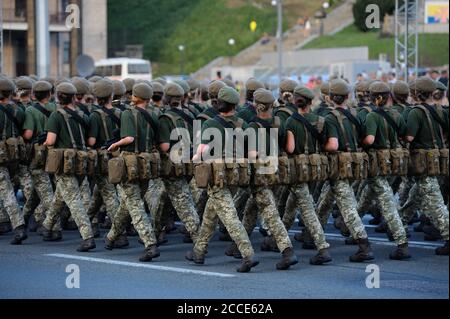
[
  {"x": 231, "y": 43},
  {"x": 279, "y": 5},
  {"x": 181, "y": 48}
]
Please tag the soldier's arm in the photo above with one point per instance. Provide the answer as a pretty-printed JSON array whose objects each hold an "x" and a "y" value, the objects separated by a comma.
[
  {"x": 332, "y": 143},
  {"x": 413, "y": 125},
  {"x": 371, "y": 130}
]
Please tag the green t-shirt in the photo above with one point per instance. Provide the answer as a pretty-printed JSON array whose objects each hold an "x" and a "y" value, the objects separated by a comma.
[
  {"x": 214, "y": 123},
  {"x": 143, "y": 133},
  {"x": 265, "y": 125},
  {"x": 283, "y": 112},
  {"x": 247, "y": 112},
  {"x": 301, "y": 133},
  {"x": 56, "y": 124},
  {"x": 166, "y": 126},
  {"x": 97, "y": 126},
  {"x": 24, "y": 106},
  {"x": 35, "y": 120},
  {"x": 209, "y": 113},
  {"x": 323, "y": 110},
  {"x": 333, "y": 130},
  {"x": 376, "y": 126},
  {"x": 10, "y": 129},
  {"x": 363, "y": 110},
  {"x": 419, "y": 128}
]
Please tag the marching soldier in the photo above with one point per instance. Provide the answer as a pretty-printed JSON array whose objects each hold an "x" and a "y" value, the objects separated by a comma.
[
  {"x": 220, "y": 202},
  {"x": 67, "y": 132},
  {"x": 248, "y": 111},
  {"x": 137, "y": 136},
  {"x": 11, "y": 119},
  {"x": 119, "y": 91}
]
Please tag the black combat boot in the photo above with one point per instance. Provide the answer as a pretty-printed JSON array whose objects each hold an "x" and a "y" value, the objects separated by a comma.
[
  {"x": 106, "y": 224},
  {"x": 431, "y": 233},
  {"x": 263, "y": 232},
  {"x": 376, "y": 220},
  {"x": 401, "y": 253},
  {"x": 109, "y": 244},
  {"x": 233, "y": 251},
  {"x": 150, "y": 253},
  {"x": 162, "y": 239},
  {"x": 322, "y": 257},
  {"x": 70, "y": 225},
  {"x": 196, "y": 257},
  {"x": 131, "y": 232},
  {"x": 121, "y": 242},
  {"x": 86, "y": 245},
  {"x": 351, "y": 241},
  {"x": 288, "y": 259},
  {"x": 5, "y": 228},
  {"x": 187, "y": 239},
  {"x": 182, "y": 230},
  {"x": 308, "y": 242},
  {"x": 364, "y": 252},
  {"x": 247, "y": 265},
  {"x": 423, "y": 221},
  {"x": 225, "y": 237},
  {"x": 442, "y": 251},
  {"x": 20, "y": 235}
]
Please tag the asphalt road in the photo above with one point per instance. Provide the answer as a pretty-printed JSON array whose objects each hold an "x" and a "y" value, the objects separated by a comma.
[{"x": 38, "y": 270}]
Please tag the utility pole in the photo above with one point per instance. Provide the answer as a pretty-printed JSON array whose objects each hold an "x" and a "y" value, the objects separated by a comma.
[
  {"x": 280, "y": 39},
  {"x": 42, "y": 39}
]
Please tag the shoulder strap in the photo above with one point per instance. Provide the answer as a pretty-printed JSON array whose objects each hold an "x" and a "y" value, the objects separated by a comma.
[
  {"x": 430, "y": 123},
  {"x": 77, "y": 118},
  {"x": 223, "y": 122},
  {"x": 389, "y": 120},
  {"x": 285, "y": 110},
  {"x": 173, "y": 118},
  {"x": 66, "y": 119},
  {"x": 340, "y": 120},
  {"x": 312, "y": 130},
  {"x": 105, "y": 127},
  {"x": 183, "y": 115},
  {"x": 11, "y": 117},
  {"x": 111, "y": 114},
  {"x": 41, "y": 109}
]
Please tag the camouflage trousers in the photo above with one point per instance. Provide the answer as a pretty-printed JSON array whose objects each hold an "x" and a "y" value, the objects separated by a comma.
[
  {"x": 25, "y": 182},
  {"x": 131, "y": 204},
  {"x": 291, "y": 210},
  {"x": 155, "y": 197},
  {"x": 240, "y": 199},
  {"x": 68, "y": 192},
  {"x": 432, "y": 204},
  {"x": 325, "y": 203},
  {"x": 3, "y": 214},
  {"x": 264, "y": 203},
  {"x": 104, "y": 192},
  {"x": 199, "y": 195},
  {"x": 346, "y": 201},
  {"x": 378, "y": 188},
  {"x": 181, "y": 198},
  {"x": 305, "y": 202},
  {"x": 44, "y": 189},
  {"x": 220, "y": 206},
  {"x": 412, "y": 202},
  {"x": 8, "y": 199}
]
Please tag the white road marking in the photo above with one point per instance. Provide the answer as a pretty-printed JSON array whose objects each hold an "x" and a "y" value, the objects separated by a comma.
[{"x": 139, "y": 265}]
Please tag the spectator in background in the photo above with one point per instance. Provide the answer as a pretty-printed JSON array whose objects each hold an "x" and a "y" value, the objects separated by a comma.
[
  {"x": 373, "y": 75},
  {"x": 219, "y": 75},
  {"x": 434, "y": 74},
  {"x": 444, "y": 77},
  {"x": 265, "y": 39},
  {"x": 317, "y": 85},
  {"x": 392, "y": 78},
  {"x": 360, "y": 77},
  {"x": 307, "y": 30}
]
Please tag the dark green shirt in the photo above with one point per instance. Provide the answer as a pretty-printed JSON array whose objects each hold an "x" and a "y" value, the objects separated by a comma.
[
  {"x": 363, "y": 110},
  {"x": 133, "y": 124},
  {"x": 264, "y": 125},
  {"x": 333, "y": 130},
  {"x": 301, "y": 134},
  {"x": 376, "y": 126},
  {"x": 166, "y": 126},
  {"x": 35, "y": 120},
  {"x": 97, "y": 128},
  {"x": 283, "y": 114},
  {"x": 419, "y": 128},
  {"x": 56, "y": 124},
  {"x": 213, "y": 123},
  {"x": 323, "y": 110},
  {"x": 6, "y": 126},
  {"x": 248, "y": 112},
  {"x": 209, "y": 113}
]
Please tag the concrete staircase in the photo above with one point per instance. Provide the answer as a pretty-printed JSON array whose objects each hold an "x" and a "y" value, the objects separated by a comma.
[{"x": 293, "y": 39}]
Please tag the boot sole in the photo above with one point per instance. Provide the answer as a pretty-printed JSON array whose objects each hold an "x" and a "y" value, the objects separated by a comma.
[
  {"x": 85, "y": 250},
  {"x": 321, "y": 262}
]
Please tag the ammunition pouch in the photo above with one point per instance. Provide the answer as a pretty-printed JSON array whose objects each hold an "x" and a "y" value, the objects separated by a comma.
[
  {"x": 345, "y": 165},
  {"x": 144, "y": 162},
  {"x": 384, "y": 162},
  {"x": 283, "y": 170},
  {"x": 39, "y": 156},
  {"x": 116, "y": 170},
  {"x": 54, "y": 163},
  {"x": 218, "y": 175},
  {"x": 81, "y": 164},
  {"x": 155, "y": 160},
  {"x": 203, "y": 174},
  {"x": 303, "y": 168},
  {"x": 425, "y": 162},
  {"x": 103, "y": 159},
  {"x": 232, "y": 174},
  {"x": 360, "y": 165},
  {"x": 131, "y": 165},
  {"x": 3, "y": 153},
  {"x": 265, "y": 173},
  {"x": 70, "y": 156},
  {"x": 333, "y": 161},
  {"x": 443, "y": 159},
  {"x": 400, "y": 161},
  {"x": 92, "y": 162},
  {"x": 373, "y": 163}
]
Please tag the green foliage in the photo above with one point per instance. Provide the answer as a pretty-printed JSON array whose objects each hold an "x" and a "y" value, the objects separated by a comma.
[
  {"x": 360, "y": 14},
  {"x": 202, "y": 26},
  {"x": 433, "y": 48}
]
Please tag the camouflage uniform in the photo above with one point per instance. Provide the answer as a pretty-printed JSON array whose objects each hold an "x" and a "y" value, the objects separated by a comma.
[
  {"x": 9, "y": 200},
  {"x": 68, "y": 191},
  {"x": 220, "y": 205},
  {"x": 155, "y": 197}
]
